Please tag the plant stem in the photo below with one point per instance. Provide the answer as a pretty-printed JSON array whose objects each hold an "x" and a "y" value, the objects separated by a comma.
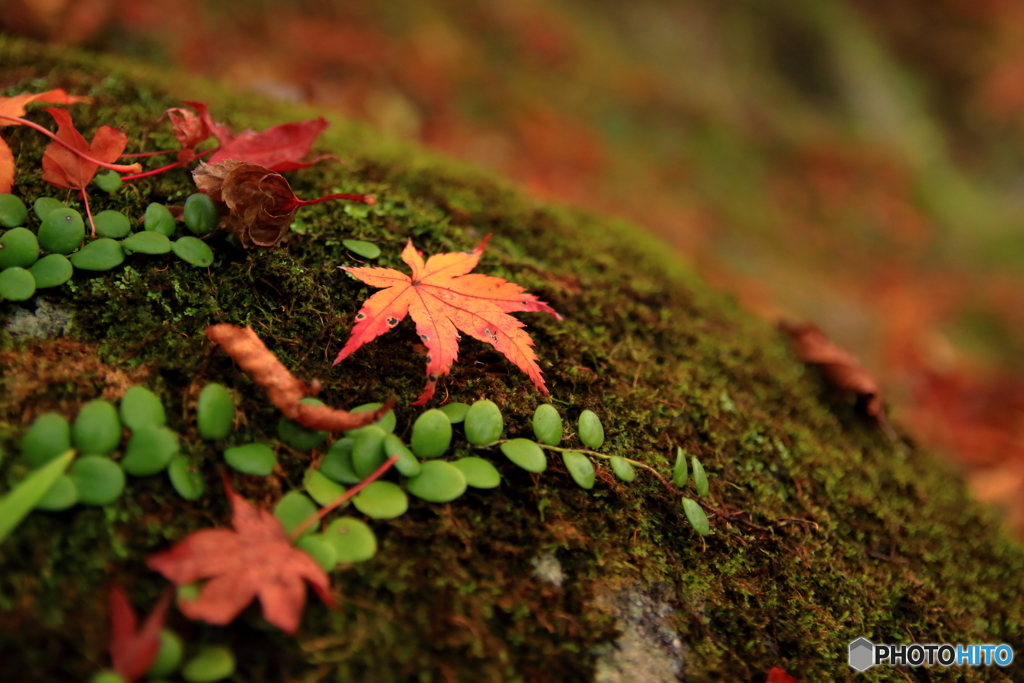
[
  {"x": 168, "y": 167},
  {"x": 635, "y": 463},
  {"x": 142, "y": 155},
  {"x": 88, "y": 212},
  {"x": 35, "y": 126},
  {"x": 343, "y": 498},
  {"x": 364, "y": 198}
]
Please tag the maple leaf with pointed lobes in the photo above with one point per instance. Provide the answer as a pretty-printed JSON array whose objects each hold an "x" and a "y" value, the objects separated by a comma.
[
  {"x": 442, "y": 297},
  {"x": 279, "y": 148},
  {"x": 131, "y": 652},
  {"x": 255, "y": 558},
  {"x": 14, "y": 108}
]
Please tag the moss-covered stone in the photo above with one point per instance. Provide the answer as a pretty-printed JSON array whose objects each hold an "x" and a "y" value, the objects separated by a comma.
[{"x": 824, "y": 529}]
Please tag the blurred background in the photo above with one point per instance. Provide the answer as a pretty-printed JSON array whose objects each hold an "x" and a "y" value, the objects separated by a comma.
[{"x": 854, "y": 163}]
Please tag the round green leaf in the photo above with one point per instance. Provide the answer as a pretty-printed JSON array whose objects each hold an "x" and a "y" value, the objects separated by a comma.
[
  {"x": 547, "y": 424},
  {"x": 431, "y": 434},
  {"x": 149, "y": 450},
  {"x": 213, "y": 663},
  {"x": 148, "y": 242},
  {"x": 112, "y": 224},
  {"x": 320, "y": 549},
  {"x": 158, "y": 218},
  {"x": 294, "y": 509},
  {"x": 44, "y": 205},
  {"x": 19, "y": 248},
  {"x": 368, "y": 451},
  {"x": 48, "y": 437},
  {"x": 479, "y": 473},
  {"x": 337, "y": 464},
  {"x": 407, "y": 464},
  {"x": 62, "y": 231},
  {"x": 16, "y": 284},
  {"x": 99, "y": 254},
  {"x": 140, "y": 407},
  {"x": 107, "y": 677},
  {"x": 13, "y": 212},
  {"x": 387, "y": 423},
  {"x": 98, "y": 479},
  {"x": 381, "y": 500},
  {"x": 591, "y": 430},
  {"x": 456, "y": 411},
  {"x": 298, "y": 437},
  {"x": 438, "y": 482},
  {"x": 200, "y": 214},
  {"x": 320, "y": 488},
  {"x": 61, "y": 496},
  {"x": 51, "y": 271},
  {"x": 526, "y": 454},
  {"x": 252, "y": 458},
  {"x": 97, "y": 429},
  {"x": 185, "y": 478},
  {"x": 352, "y": 539},
  {"x": 168, "y": 657},
  {"x": 580, "y": 469},
  {"x": 193, "y": 251},
  {"x": 215, "y": 412},
  {"x": 364, "y": 249},
  {"x": 484, "y": 423},
  {"x": 680, "y": 473},
  {"x": 695, "y": 513},
  {"x": 108, "y": 182},
  {"x": 700, "y": 478},
  {"x": 623, "y": 469}
]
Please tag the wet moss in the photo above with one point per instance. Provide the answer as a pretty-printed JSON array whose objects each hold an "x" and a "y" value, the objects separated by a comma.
[{"x": 825, "y": 530}]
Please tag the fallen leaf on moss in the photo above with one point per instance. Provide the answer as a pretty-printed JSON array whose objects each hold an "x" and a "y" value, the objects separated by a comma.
[
  {"x": 132, "y": 652},
  {"x": 779, "y": 675},
  {"x": 279, "y": 148},
  {"x": 255, "y": 558},
  {"x": 63, "y": 167},
  {"x": 283, "y": 389},
  {"x": 192, "y": 129},
  {"x": 14, "y": 107},
  {"x": 443, "y": 298}
]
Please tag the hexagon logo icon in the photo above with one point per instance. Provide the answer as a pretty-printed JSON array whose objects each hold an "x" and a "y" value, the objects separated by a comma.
[{"x": 862, "y": 654}]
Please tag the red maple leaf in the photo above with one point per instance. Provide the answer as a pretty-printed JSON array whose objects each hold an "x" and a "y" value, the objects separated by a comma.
[
  {"x": 779, "y": 675},
  {"x": 280, "y": 148},
  {"x": 63, "y": 167},
  {"x": 191, "y": 129},
  {"x": 132, "y": 652},
  {"x": 443, "y": 298},
  {"x": 11, "y": 109},
  {"x": 256, "y": 558}
]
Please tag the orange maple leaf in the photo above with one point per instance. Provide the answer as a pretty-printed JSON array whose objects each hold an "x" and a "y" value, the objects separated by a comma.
[
  {"x": 13, "y": 108},
  {"x": 443, "y": 298},
  {"x": 256, "y": 558},
  {"x": 64, "y": 168},
  {"x": 132, "y": 652}
]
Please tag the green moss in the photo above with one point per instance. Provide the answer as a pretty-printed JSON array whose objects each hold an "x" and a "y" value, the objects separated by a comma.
[{"x": 825, "y": 531}]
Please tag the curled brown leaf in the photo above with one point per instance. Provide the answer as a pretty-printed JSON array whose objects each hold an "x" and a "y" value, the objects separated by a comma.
[{"x": 260, "y": 202}]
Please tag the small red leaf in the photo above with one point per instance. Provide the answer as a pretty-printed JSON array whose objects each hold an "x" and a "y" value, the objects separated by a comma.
[
  {"x": 778, "y": 675},
  {"x": 280, "y": 148},
  {"x": 131, "y": 652},
  {"x": 62, "y": 167}
]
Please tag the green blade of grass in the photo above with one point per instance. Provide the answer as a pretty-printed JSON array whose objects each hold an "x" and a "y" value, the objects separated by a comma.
[{"x": 16, "y": 505}]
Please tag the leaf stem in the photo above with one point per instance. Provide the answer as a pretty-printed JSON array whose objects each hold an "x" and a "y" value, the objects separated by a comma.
[
  {"x": 342, "y": 499},
  {"x": 88, "y": 212},
  {"x": 162, "y": 169},
  {"x": 142, "y": 155},
  {"x": 364, "y": 198},
  {"x": 35, "y": 126},
  {"x": 635, "y": 463}
]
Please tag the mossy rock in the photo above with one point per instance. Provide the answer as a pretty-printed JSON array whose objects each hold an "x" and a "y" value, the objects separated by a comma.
[{"x": 826, "y": 530}]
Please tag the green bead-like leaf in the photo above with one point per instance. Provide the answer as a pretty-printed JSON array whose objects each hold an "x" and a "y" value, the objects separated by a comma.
[
  {"x": 97, "y": 429},
  {"x": 107, "y": 677},
  {"x": 484, "y": 423},
  {"x": 98, "y": 255},
  {"x": 352, "y": 539},
  {"x": 52, "y": 270},
  {"x": 16, "y": 284},
  {"x": 13, "y": 211},
  {"x": 526, "y": 454},
  {"x": 44, "y": 205},
  {"x": 147, "y": 242},
  {"x": 438, "y": 482},
  {"x": 19, "y": 248},
  {"x": 48, "y": 437},
  {"x": 364, "y": 249},
  {"x": 547, "y": 424},
  {"x": 293, "y": 509},
  {"x": 112, "y": 224},
  {"x": 149, "y": 450},
  {"x": 320, "y": 488},
  {"x": 680, "y": 473},
  {"x": 193, "y": 251},
  {"x": 622, "y": 469},
  {"x": 158, "y": 218},
  {"x": 98, "y": 479},
  {"x": 387, "y": 423},
  {"x": 591, "y": 429},
  {"x": 213, "y": 663},
  {"x": 700, "y": 478},
  {"x": 168, "y": 657},
  {"x": 368, "y": 451},
  {"x": 140, "y": 407},
  {"x": 320, "y": 549},
  {"x": 252, "y": 458},
  {"x": 16, "y": 505},
  {"x": 479, "y": 473},
  {"x": 381, "y": 500},
  {"x": 185, "y": 478},
  {"x": 61, "y": 496},
  {"x": 215, "y": 412},
  {"x": 431, "y": 434},
  {"x": 200, "y": 214},
  {"x": 456, "y": 411},
  {"x": 298, "y": 437},
  {"x": 407, "y": 464},
  {"x": 580, "y": 469},
  {"x": 62, "y": 231},
  {"x": 695, "y": 513},
  {"x": 337, "y": 464},
  {"x": 109, "y": 182}
]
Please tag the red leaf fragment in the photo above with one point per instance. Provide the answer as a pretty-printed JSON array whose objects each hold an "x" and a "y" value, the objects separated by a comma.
[
  {"x": 254, "y": 559},
  {"x": 64, "y": 168},
  {"x": 778, "y": 675},
  {"x": 15, "y": 107},
  {"x": 131, "y": 652},
  {"x": 279, "y": 148},
  {"x": 443, "y": 298}
]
